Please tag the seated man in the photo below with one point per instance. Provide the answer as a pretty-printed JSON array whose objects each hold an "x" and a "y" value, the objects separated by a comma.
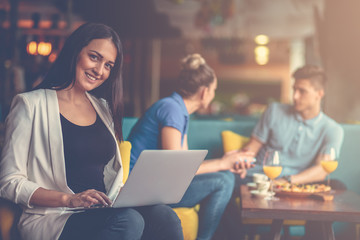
[{"x": 299, "y": 132}]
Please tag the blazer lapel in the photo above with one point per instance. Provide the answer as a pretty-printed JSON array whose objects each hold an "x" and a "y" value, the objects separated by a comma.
[
  {"x": 56, "y": 148},
  {"x": 116, "y": 182}
]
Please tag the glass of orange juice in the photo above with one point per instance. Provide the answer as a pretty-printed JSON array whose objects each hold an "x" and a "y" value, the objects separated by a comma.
[
  {"x": 329, "y": 162},
  {"x": 272, "y": 169}
]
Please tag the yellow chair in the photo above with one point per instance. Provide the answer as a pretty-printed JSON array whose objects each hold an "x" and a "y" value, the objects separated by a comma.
[
  {"x": 9, "y": 215},
  {"x": 233, "y": 141},
  {"x": 10, "y": 212},
  {"x": 189, "y": 221},
  {"x": 125, "y": 151},
  {"x": 188, "y": 216}
]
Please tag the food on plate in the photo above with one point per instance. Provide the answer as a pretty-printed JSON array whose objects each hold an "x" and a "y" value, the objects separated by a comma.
[{"x": 302, "y": 188}]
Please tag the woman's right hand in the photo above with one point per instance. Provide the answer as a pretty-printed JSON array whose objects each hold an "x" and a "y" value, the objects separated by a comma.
[
  {"x": 237, "y": 161},
  {"x": 87, "y": 199}
]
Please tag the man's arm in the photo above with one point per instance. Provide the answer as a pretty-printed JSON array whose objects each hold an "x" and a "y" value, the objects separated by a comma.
[
  {"x": 254, "y": 146},
  {"x": 315, "y": 173}
]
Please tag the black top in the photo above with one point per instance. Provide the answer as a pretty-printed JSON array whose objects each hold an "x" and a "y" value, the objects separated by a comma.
[{"x": 87, "y": 150}]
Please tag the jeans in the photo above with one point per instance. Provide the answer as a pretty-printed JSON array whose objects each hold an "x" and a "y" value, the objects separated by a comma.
[
  {"x": 213, "y": 191},
  {"x": 149, "y": 222}
]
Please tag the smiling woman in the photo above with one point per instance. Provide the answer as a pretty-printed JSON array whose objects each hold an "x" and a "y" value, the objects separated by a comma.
[
  {"x": 94, "y": 63},
  {"x": 61, "y": 151}
]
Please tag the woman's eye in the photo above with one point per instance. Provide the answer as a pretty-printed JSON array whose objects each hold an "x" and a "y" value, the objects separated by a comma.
[
  {"x": 108, "y": 66},
  {"x": 93, "y": 57}
]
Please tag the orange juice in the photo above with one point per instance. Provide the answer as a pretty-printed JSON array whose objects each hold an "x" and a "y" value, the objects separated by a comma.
[
  {"x": 272, "y": 171},
  {"x": 329, "y": 166}
]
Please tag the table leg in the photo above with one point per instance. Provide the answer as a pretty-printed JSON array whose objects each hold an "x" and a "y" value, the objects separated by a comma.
[
  {"x": 276, "y": 227},
  {"x": 327, "y": 230}
]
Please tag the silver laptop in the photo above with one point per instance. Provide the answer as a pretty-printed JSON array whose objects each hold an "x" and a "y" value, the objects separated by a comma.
[{"x": 159, "y": 177}]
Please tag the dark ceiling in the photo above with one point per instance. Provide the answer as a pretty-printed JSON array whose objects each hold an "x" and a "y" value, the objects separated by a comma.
[{"x": 133, "y": 18}]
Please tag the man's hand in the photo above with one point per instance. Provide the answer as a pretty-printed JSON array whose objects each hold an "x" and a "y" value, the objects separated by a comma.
[{"x": 279, "y": 181}]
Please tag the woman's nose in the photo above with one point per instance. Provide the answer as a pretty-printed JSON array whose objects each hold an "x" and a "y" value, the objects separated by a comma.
[{"x": 98, "y": 70}]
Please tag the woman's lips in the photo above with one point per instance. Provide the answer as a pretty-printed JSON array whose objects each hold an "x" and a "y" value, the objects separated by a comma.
[{"x": 92, "y": 78}]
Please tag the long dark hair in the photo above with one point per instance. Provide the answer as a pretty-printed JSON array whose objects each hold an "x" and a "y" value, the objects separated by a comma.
[
  {"x": 194, "y": 74},
  {"x": 62, "y": 73}
]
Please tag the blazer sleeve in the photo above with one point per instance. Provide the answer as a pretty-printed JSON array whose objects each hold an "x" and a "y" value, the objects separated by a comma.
[{"x": 14, "y": 183}]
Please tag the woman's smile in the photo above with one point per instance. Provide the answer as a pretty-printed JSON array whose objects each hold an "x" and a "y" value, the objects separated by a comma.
[{"x": 92, "y": 78}]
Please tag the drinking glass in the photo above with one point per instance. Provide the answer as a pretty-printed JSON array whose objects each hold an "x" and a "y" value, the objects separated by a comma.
[
  {"x": 329, "y": 161},
  {"x": 272, "y": 169}
]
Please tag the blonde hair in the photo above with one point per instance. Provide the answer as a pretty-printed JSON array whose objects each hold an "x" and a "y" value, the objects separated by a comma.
[
  {"x": 193, "y": 61},
  {"x": 194, "y": 74}
]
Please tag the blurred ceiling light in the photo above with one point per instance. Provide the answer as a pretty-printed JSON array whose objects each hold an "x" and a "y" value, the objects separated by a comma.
[
  {"x": 262, "y": 60},
  {"x": 261, "y": 39},
  {"x": 261, "y": 51},
  {"x": 262, "y": 55},
  {"x": 31, "y": 48},
  {"x": 44, "y": 48}
]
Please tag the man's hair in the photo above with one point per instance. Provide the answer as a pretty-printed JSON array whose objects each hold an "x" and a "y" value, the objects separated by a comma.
[{"x": 314, "y": 74}]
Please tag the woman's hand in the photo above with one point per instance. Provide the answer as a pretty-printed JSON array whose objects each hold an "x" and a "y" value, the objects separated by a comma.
[
  {"x": 87, "y": 199},
  {"x": 238, "y": 161}
]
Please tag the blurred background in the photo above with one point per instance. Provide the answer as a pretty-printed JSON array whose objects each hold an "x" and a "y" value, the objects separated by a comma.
[{"x": 253, "y": 46}]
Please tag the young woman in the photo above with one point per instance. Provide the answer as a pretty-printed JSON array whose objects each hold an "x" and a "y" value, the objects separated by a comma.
[
  {"x": 165, "y": 125},
  {"x": 60, "y": 149}
]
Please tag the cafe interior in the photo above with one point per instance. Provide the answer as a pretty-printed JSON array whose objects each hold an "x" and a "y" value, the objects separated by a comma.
[{"x": 252, "y": 45}]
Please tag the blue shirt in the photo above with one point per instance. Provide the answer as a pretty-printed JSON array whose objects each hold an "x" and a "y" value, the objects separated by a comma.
[
  {"x": 171, "y": 112},
  {"x": 298, "y": 141}
]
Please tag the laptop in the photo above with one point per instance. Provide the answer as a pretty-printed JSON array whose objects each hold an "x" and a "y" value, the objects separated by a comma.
[{"x": 158, "y": 177}]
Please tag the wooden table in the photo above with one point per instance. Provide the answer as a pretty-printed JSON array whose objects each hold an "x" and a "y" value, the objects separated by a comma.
[{"x": 345, "y": 207}]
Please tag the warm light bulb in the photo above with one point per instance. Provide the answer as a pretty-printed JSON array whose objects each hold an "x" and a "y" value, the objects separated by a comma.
[
  {"x": 31, "y": 48},
  {"x": 44, "y": 48},
  {"x": 261, "y": 51},
  {"x": 262, "y": 60},
  {"x": 261, "y": 39}
]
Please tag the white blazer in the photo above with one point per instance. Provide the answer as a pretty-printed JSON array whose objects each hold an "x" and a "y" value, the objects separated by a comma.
[{"x": 33, "y": 157}]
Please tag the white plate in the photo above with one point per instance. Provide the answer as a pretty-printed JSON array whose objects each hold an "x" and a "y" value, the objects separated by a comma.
[
  {"x": 256, "y": 193},
  {"x": 251, "y": 185}
]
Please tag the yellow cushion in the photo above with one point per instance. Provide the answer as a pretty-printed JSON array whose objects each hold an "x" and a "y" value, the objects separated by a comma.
[
  {"x": 188, "y": 216},
  {"x": 9, "y": 213},
  {"x": 233, "y": 141},
  {"x": 7, "y": 217},
  {"x": 189, "y": 221},
  {"x": 125, "y": 150}
]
